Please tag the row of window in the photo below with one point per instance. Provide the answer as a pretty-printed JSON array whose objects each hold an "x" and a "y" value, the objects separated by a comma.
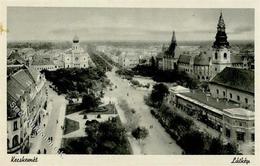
[
  {"x": 224, "y": 55},
  {"x": 231, "y": 96},
  {"x": 203, "y": 78},
  {"x": 240, "y": 135}
]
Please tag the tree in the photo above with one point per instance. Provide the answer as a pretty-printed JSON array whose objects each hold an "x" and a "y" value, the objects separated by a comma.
[
  {"x": 153, "y": 63},
  {"x": 140, "y": 133},
  {"x": 90, "y": 102},
  {"x": 158, "y": 93},
  {"x": 216, "y": 146}
]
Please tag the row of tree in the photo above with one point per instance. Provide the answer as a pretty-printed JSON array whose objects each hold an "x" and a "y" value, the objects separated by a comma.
[{"x": 189, "y": 136}]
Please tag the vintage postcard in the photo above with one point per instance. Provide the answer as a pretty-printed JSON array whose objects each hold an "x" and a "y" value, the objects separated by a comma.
[{"x": 129, "y": 83}]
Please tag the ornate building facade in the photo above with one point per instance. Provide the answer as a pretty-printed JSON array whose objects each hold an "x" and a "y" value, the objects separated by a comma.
[
  {"x": 26, "y": 98},
  {"x": 76, "y": 57},
  {"x": 204, "y": 64}
]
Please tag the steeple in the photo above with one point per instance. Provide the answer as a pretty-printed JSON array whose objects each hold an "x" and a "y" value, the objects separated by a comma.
[
  {"x": 221, "y": 36},
  {"x": 173, "y": 37},
  {"x": 171, "y": 49}
]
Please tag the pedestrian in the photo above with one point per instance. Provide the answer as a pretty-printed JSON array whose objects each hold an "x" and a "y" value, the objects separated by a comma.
[
  {"x": 39, "y": 151},
  {"x": 43, "y": 125},
  {"x": 57, "y": 121},
  {"x": 44, "y": 151}
]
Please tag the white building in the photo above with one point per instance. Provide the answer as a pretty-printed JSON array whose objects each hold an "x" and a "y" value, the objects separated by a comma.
[{"x": 76, "y": 57}]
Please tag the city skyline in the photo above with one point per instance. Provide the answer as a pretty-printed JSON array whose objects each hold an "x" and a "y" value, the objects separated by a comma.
[{"x": 128, "y": 24}]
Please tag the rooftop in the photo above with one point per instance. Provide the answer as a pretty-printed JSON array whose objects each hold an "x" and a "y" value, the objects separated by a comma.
[
  {"x": 239, "y": 112},
  {"x": 210, "y": 101},
  {"x": 240, "y": 79}
]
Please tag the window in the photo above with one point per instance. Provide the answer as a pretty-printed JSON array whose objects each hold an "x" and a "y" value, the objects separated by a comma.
[
  {"x": 198, "y": 77},
  {"x": 216, "y": 55},
  {"x": 228, "y": 133},
  {"x": 252, "y": 137},
  {"x": 238, "y": 98},
  {"x": 230, "y": 95},
  {"x": 241, "y": 136},
  {"x": 217, "y": 91},
  {"x": 15, "y": 141},
  {"x": 203, "y": 77},
  {"x": 246, "y": 100},
  {"x": 216, "y": 69},
  {"x": 15, "y": 125},
  {"x": 207, "y": 77},
  {"x": 225, "y": 55},
  {"x": 224, "y": 93}
]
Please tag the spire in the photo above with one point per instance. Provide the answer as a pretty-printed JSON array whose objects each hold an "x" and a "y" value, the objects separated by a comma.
[
  {"x": 221, "y": 23},
  {"x": 221, "y": 36},
  {"x": 173, "y": 37},
  {"x": 171, "y": 49}
]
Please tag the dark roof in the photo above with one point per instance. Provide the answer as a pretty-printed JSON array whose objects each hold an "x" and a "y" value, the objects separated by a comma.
[
  {"x": 202, "y": 59},
  {"x": 240, "y": 79},
  {"x": 202, "y": 98},
  {"x": 184, "y": 58},
  {"x": 236, "y": 58}
]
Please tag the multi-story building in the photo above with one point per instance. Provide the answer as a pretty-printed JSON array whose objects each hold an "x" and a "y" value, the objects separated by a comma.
[
  {"x": 56, "y": 59},
  {"x": 76, "y": 57},
  {"x": 229, "y": 107},
  {"x": 205, "y": 64},
  {"x": 26, "y": 98},
  {"x": 235, "y": 85}
]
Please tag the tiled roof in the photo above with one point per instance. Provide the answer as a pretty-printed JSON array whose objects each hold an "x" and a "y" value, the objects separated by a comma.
[
  {"x": 240, "y": 79},
  {"x": 236, "y": 59},
  {"x": 18, "y": 84},
  {"x": 202, "y": 98},
  {"x": 23, "y": 78},
  {"x": 202, "y": 59},
  {"x": 184, "y": 58}
]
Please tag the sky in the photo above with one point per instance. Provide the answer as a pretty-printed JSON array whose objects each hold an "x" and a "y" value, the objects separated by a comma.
[{"x": 126, "y": 24}]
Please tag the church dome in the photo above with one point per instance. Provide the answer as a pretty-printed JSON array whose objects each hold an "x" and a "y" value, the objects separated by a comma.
[{"x": 75, "y": 39}]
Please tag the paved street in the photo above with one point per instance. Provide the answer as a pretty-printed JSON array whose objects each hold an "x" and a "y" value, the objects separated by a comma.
[
  {"x": 158, "y": 141},
  {"x": 56, "y": 113}
]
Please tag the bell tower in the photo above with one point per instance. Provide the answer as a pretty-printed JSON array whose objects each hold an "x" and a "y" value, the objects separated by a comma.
[{"x": 220, "y": 49}]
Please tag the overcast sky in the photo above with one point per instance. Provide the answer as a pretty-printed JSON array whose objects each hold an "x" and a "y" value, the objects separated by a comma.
[{"x": 41, "y": 23}]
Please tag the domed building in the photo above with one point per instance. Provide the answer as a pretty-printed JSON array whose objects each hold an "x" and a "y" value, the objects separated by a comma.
[{"x": 75, "y": 56}]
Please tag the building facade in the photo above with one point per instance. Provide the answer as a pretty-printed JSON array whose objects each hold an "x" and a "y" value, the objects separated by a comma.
[
  {"x": 76, "y": 57},
  {"x": 26, "y": 99},
  {"x": 205, "y": 64}
]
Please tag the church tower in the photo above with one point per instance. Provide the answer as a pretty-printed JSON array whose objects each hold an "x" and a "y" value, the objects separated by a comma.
[
  {"x": 220, "y": 49},
  {"x": 168, "y": 59},
  {"x": 75, "y": 44}
]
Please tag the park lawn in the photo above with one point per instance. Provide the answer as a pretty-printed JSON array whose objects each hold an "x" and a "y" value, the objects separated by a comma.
[
  {"x": 70, "y": 126},
  {"x": 72, "y": 108}
]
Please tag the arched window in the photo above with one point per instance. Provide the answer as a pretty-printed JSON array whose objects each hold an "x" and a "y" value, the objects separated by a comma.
[
  {"x": 216, "y": 55},
  {"x": 15, "y": 141},
  {"x": 225, "y": 55}
]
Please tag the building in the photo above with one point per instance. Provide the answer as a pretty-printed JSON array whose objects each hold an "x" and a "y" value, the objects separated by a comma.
[
  {"x": 56, "y": 59},
  {"x": 26, "y": 98},
  {"x": 167, "y": 59},
  {"x": 76, "y": 57},
  {"x": 228, "y": 108},
  {"x": 235, "y": 85},
  {"x": 205, "y": 64}
]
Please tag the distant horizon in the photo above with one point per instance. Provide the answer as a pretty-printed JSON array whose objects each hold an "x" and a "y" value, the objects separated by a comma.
[{"x": 126, "y": 24}]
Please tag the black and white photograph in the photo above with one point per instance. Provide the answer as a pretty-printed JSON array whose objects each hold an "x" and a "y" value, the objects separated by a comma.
[{"x": 130, "y": 81}]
